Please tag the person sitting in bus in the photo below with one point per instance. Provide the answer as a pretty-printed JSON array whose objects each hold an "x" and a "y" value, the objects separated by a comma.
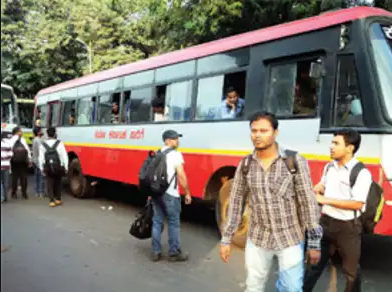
[
  {"x": 115, "y": 118},
  {"x": 233, "y": 106},
  {"x": 158, "y": 107},
  {"x": 305, "y": 100},
  {"x": 38, "y": 118}
]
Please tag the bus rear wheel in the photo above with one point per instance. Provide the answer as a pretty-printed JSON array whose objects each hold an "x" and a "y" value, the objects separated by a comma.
[
  {"x": 222, "y": 205},
  {"x": 78, "y": 183}
]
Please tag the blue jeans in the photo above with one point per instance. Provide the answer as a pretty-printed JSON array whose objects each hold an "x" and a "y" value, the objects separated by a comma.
[
  {"x": 5, "y": 174},
  {"x": 258, "y": 263},
  {"x": 170, "y": 207},
  {"x": 39, "y": 181}
]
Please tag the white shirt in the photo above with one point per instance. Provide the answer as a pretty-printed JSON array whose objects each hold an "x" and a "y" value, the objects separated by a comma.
[
  {"x": 173, "y": 160},
  {"x": 60, "y": 150},
  {"x": 6, "y": 154},
  {"x": 13, "y": 140},
  {"x": 337, "y": 186}
]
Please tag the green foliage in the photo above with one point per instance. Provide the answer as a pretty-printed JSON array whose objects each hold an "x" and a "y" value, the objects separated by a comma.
[{"x": 44, "y": 42}]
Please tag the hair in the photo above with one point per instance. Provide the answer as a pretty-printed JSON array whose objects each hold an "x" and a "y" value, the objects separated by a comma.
[
  {"x": 270, "y": 117},
  {"x": 36, "y": 130},
  {"x": 51, "y": 131},
  {"x": 158, "y": 102},
  {"x": 16, "y": 130},
  {"x": 231, "y": 89},
  {"x": 350, "y": 137}
]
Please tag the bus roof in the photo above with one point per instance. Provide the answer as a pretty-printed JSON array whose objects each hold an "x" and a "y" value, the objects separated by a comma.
[
  {"x": 226, "y": 44},
  {"x": 7, "y": 87}
]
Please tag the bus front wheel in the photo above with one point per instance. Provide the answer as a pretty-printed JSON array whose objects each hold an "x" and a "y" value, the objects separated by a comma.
[
  {"x": 221, "y": 210},
  {"x": 78, "y": 183}
]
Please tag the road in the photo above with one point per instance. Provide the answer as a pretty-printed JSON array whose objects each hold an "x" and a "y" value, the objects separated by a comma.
[{"x": 84, "y": 246}]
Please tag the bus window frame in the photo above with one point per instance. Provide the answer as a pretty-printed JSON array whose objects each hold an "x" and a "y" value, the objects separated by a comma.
[
  {"x": 367, "y": 31},
  {"x": 307, "y": 56},
  {"x": 49, "y": 106},
  {"x": 98, "y": 101},
  {"x": 77, "y": 110}
]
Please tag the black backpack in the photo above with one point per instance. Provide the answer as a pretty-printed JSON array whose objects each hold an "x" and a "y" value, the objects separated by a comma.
[
  {"x": 19, "y": 152},
  {"x": 153, "y": 180},
  {"x": 374, "y": 203},
  {"x": 142, "y": 227},
  {"x": 52, "y": 163}
]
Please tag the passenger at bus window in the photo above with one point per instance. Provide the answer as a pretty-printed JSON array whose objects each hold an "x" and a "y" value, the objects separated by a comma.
[
  {"x": 115, "y": 118},
  {"x": 233, "y": 106},
  {"x": 38, "y": 118},
  {"x": 353, "y": 116},
  {"x": 305, "y": 99},
  {"x": 159, "y": 109}
]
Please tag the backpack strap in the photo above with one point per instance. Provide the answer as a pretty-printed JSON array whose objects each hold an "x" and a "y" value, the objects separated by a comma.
[
  {"x": 174, "y": 177},
  {"x": 246, "y": 164},
  {"x": 353, "y": 178},
  {"x": 355, "y": 172},
  {"x": 46, "y": 146},
  {"x": 291, "y": 161},
  {"x": 56, "y": 144}
]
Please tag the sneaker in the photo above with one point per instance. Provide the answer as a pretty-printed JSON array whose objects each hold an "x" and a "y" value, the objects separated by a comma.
[
  {"x": 180, "y": 257},
  {"x": 58, "y": 202},
  {"x": 156, "y": 257},
  {"x": 52, "y": 204}
]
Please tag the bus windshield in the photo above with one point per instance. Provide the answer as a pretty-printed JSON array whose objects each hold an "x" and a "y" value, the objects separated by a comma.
[
  {"x": 7, "y": 104},
  {"x": 26, "y": 113},
  {"x": 381, "y": 40}
]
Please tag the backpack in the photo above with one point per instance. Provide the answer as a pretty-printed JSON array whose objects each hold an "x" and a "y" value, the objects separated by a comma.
[
  {"x": 142, "y": 227},
  {"x": 52, "y": 164},
  {"x": 153, "y": 178},
  {"x": 19, "y": 152},
  {"x": 374, "y": 202}
]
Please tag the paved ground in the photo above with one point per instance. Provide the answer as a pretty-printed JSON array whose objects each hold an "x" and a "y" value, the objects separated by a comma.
[{"x": 79, "y": 247}]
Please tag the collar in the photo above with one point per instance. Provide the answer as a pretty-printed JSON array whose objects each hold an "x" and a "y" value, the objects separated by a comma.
[
  {"x": 349, "y": 165},
  {"x": 281, "y": 152}
]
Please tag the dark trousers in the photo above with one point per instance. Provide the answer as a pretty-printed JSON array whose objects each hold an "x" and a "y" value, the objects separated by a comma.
[
  {"x": 340, "y": 238},
  {"x": 19, "y": 173},
  {"x": 53, "y": 187}
]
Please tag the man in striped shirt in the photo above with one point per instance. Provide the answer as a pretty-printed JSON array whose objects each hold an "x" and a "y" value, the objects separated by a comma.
[
  {"x": 6, "y": 155},
  {"x": 282, "y": 207}
]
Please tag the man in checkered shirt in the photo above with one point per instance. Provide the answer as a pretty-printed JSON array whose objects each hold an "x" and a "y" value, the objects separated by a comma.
[{"x": 282, "y": 207}]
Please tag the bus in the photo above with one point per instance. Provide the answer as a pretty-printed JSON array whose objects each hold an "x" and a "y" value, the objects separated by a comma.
[
  {"x": 317, "y": 75},
  {"x": 9, "y": 109},
  {"x": 26, "y": 116}
]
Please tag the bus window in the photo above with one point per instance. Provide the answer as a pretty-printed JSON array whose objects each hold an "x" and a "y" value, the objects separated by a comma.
[
  {"x": 140, "y": 105},
  {"x": 348, "y": 106},
  {"x": 126, "y": 108},
  {"x": 53, "y": 113},
  {"x": 40, "y": 119},
  {"x": 216, "y": 94},
  {"x": 173, "y": 102},
  {"x": 86, "y": 111},
  {"x": 69, "y": 113},
  {"x": 109, "y": 108},
  {"x": 292, "y": 92},
  {"x": 381, "y": 41}
]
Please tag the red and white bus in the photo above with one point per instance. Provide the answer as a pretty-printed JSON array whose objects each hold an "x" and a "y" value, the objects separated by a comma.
[{"x": 318, "y": 74}]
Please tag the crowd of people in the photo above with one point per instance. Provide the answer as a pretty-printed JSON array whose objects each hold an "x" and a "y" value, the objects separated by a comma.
[
  {"x": 48, "y": 158},
  {"x": 284, "y": 221}
]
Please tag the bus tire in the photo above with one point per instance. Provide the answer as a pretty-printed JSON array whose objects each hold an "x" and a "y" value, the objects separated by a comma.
[
  {"x": 221, "y": 209},
  {"x": 78, "y": 183}
]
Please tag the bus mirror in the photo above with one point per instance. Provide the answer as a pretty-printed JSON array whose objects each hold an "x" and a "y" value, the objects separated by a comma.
[{"x": 316, "y": 70}]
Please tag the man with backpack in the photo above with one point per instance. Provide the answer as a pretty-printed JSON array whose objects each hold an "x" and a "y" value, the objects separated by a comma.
[
  {"x": 53, "y": 162},
  {"x": 276, "y": 182},
  {"x": 351, "y": 203},
  {"x": 159, "y": 178},
  {"x": 20, "y": 162}
]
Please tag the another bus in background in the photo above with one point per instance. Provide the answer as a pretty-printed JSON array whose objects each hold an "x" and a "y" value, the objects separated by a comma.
[{"x": 9, "y": 109}]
